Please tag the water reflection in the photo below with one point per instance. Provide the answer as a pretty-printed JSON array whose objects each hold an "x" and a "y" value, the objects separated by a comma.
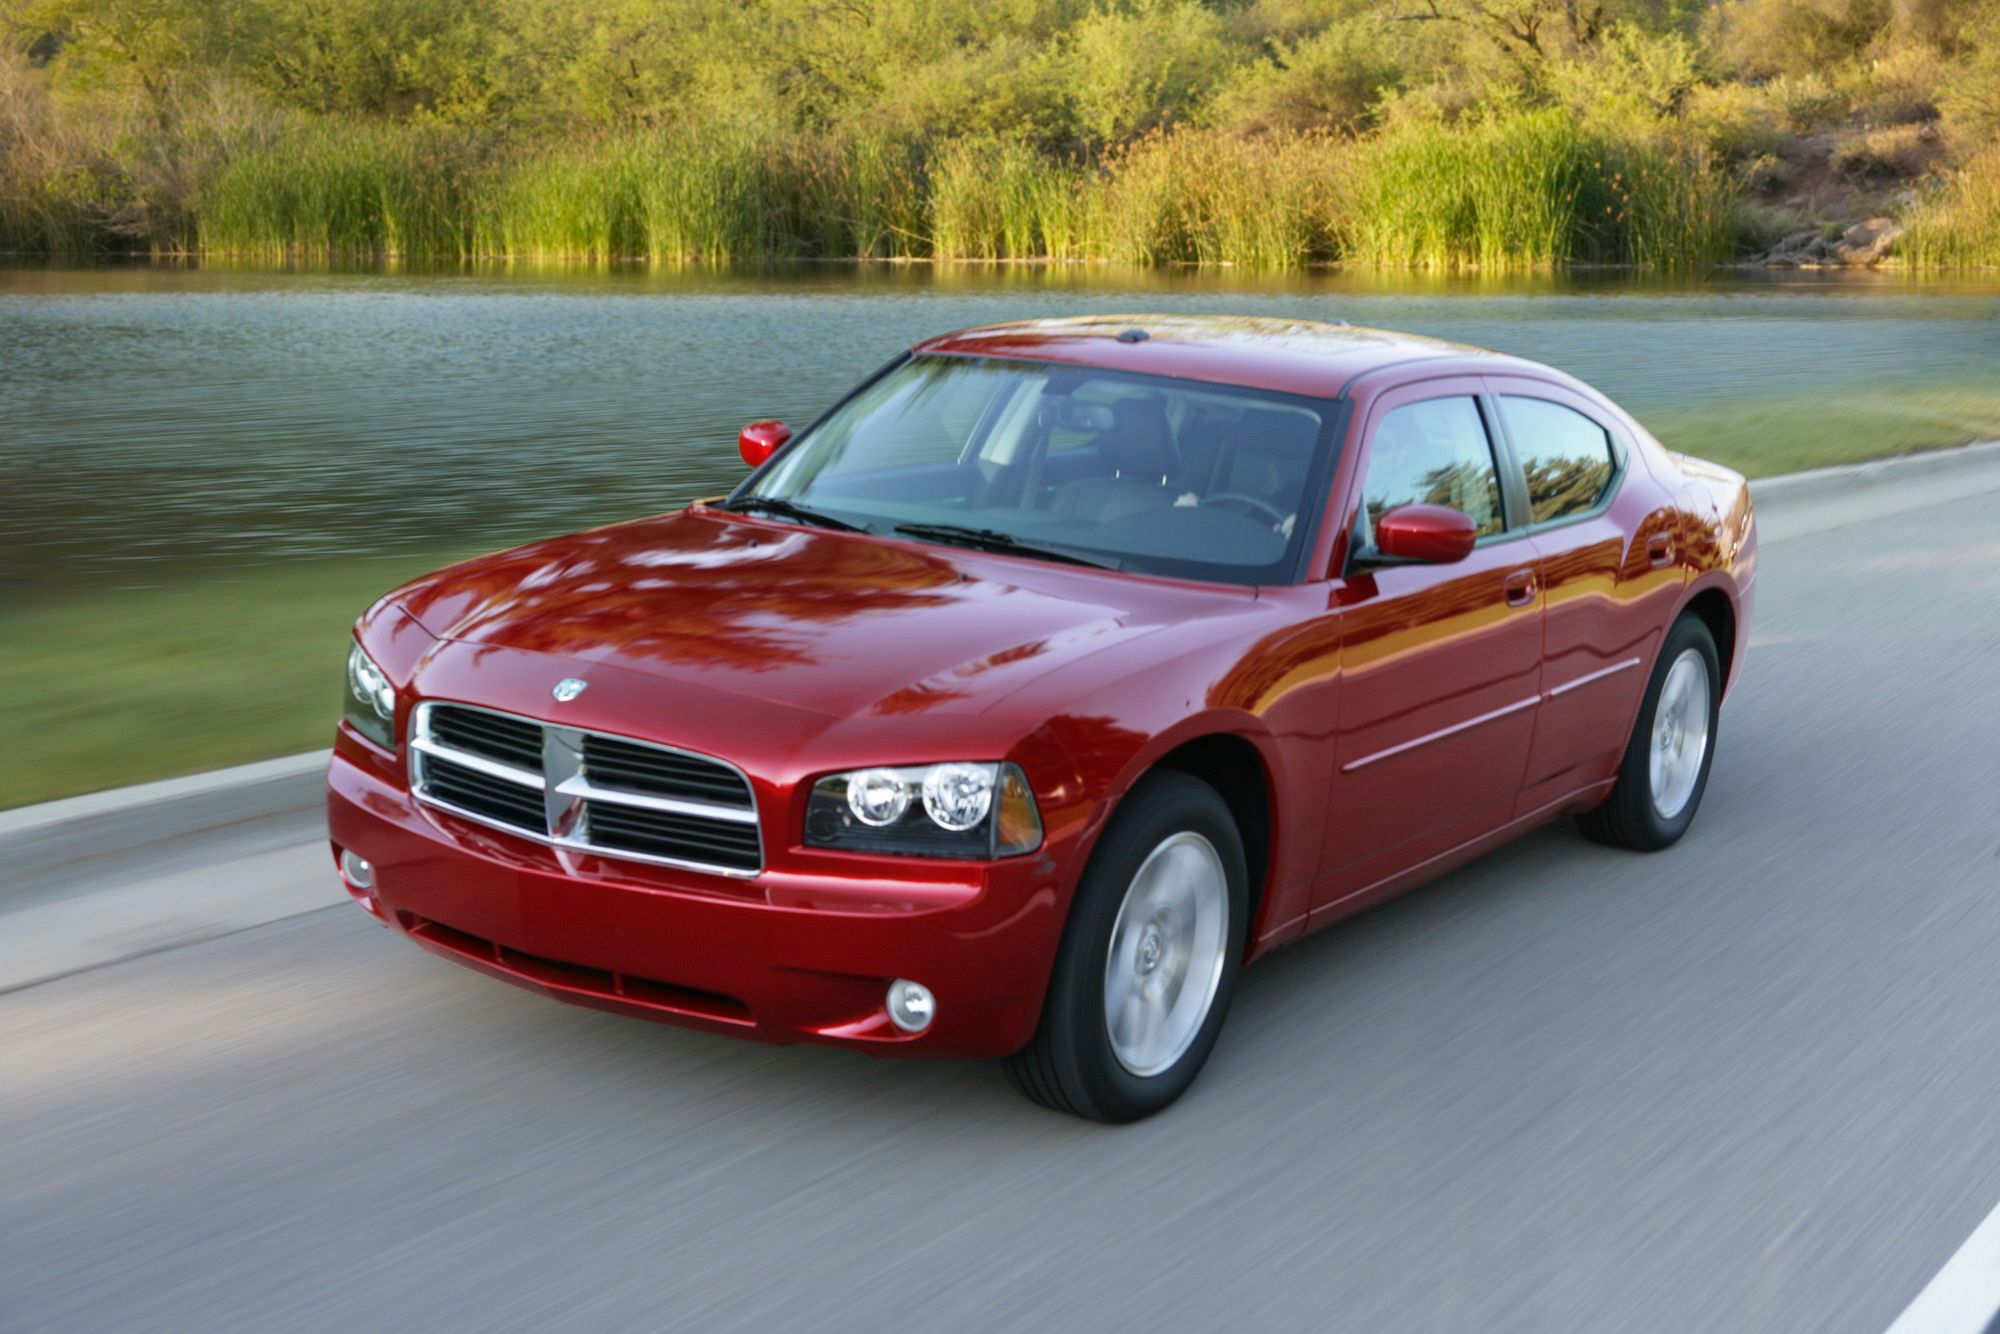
[{"x": 157, "y": 420}]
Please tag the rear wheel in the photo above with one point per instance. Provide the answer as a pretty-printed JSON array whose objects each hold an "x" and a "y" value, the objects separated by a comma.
[
  {"x": 1148, "y": 960},
  {"x": 1665, "y": 769}
]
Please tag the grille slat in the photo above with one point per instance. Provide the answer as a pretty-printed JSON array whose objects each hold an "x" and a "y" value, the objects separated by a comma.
[
  {"x": 512, "y": 741},
  {"x": 609, "y": 773},
  {"x": 661, "y": 834},
  {"x": 665, "y": 823},
  {"x": 497, "y": 799},
  {"x": 664, "y": 773}
]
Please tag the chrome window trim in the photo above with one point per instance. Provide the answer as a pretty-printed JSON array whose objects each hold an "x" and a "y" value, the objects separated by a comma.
[{"x": 565, "y": 788}]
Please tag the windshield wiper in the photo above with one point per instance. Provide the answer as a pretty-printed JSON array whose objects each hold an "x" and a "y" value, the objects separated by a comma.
[
  {"x": 786, "y": 509},
  {"x": 992, "y": 539}
]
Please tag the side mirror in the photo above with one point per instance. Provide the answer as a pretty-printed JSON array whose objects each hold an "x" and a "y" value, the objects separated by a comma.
[
  {"x": 760, "y": 440},
  {"x": 1432, "y": 534}
]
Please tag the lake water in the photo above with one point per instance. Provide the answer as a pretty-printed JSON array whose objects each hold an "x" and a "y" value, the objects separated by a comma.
[{"x": 159, "y": 422}]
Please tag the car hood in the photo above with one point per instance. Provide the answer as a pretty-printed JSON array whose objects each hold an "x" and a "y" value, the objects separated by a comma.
[{"x": 836, "y": 623}]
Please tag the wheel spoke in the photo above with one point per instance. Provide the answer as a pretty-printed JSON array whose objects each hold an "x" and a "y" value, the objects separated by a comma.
[
  {"x": 1165, "y": 956},
  {"x": 1679, "y": 734}
]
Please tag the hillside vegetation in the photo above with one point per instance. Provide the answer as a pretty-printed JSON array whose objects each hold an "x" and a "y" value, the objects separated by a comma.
[{"x": 1268, "y": 133}]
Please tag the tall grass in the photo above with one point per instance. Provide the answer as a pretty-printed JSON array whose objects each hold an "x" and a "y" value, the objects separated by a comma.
[
  {"x": 843, "y": 197},
  {"x": 1000, "y": 200},
  {"x": 711, "y": 197},
  {"x": 1522, "y": 189},
  {"x": 1530, "y": 189},
  {"x": 336, "y": 189},
  {"x": 1958, "y": 225},
  {"x": 1198, "y": 197},
  {"x": 575, "y": 203}
]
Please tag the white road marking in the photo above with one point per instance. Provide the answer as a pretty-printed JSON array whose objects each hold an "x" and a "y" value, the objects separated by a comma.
[{"x": 1964, "y": 1297}]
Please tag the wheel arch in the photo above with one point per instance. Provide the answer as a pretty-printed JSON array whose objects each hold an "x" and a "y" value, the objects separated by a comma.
[
  {"x": 1233, "y": 765},
  {"x": 1717, "y": 610}
]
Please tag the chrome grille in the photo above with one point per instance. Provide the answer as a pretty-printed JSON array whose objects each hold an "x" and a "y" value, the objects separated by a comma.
[{"x": 590, "y": 791}]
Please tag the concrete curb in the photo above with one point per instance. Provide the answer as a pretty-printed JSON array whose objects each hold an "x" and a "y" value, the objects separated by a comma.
[
  {"x": 1821, "y": 483},
  {"x": 63, "y": 847},
  {"x": 286, "y": 770},
  {"x": 216, "y": 799}
]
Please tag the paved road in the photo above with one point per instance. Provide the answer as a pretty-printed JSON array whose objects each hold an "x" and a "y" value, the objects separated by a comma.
[{"x": 1751, "y": 1083}]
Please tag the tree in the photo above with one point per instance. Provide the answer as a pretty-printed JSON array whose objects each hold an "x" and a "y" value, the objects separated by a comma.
[{"x": 1526, "y": 31}]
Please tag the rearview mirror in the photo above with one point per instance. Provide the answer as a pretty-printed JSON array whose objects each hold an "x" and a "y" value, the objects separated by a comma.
[
  {"x": 1433, "y": 534},
  {"x": 760, "y": 440},
  {"x": 1074, "y": 414}
]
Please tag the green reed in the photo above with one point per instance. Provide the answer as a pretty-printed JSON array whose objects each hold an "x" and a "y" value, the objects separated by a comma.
[
  {"x": 1524, "y": 189},
  {"x": 336, "y": 189},
  {"x": 991, "y": 199},
  {"x": 1530, "y": 189},
  {"x": 1958, "y": 225}
]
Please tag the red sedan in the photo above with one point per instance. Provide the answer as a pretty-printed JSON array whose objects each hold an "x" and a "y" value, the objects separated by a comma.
[{"x": 1055, "y": 673}]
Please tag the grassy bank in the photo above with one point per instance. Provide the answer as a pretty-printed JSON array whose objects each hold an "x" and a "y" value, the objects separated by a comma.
[
  {"x": 116, "y": 687},
  {"x": 249, "y": 667},
  {"x": 1526, "y": 189}
]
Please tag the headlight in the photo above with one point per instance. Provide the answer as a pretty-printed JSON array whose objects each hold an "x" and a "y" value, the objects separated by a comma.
[
  {"x": 371, "y": 700},
  {"x": 929, "y": 810}
]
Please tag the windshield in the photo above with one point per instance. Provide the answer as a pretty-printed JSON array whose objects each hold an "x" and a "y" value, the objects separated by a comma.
[{"x": 1171, "y": 477}]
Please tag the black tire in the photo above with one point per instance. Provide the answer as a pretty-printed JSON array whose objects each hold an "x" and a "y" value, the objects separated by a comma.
[
  {"x": 1629, "y": 818},
  {"x": 1070, "y": 1065}
]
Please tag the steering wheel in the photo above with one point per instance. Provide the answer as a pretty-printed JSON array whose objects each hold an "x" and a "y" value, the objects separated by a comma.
[{"x": 1249, "y": 502}]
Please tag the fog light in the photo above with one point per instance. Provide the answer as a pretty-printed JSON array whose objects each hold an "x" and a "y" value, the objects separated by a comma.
[
  {"x": 911, "y": 1005},
  {"x": 356, "y": 870}
]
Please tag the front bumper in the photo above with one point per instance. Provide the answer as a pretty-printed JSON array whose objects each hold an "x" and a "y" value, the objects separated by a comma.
[{"x": 791, "y": 956}]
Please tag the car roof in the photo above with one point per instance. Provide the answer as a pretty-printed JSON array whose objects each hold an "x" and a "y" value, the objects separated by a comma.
[{"x": 1289, "y": 356}]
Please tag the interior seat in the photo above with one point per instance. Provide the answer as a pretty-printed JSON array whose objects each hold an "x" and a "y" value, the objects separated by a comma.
[
  {"x": 1145, "y": 467},
  {"x": 1267, "y": 456}
]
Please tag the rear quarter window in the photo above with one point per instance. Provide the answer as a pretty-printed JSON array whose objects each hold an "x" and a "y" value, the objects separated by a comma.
[{"x": 1567, "y": 457}]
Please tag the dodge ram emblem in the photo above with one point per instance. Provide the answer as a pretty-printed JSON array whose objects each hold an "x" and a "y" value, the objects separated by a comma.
[{"x": 568, "y": 689}]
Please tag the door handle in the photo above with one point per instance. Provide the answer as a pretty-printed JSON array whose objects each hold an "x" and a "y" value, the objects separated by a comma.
[
  {"x": 1520, "y": 588},
  {"x": 1660, "y": 549}
]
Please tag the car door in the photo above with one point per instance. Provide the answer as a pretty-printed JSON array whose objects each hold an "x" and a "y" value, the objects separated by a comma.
[
  {"x": 1440, "y": 664},
  {"x": 1601, "y": 585}
]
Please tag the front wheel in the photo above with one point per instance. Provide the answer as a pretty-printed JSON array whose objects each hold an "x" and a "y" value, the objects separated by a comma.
[
  {"x": 1148, "y": 959},
  {"x": 1665, "y": 769}
]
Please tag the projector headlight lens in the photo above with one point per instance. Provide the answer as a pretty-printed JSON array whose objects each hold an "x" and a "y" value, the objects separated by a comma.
[
  {"x": 956, "y": 809},
  {"x": 958, "y": 796},
  {"x": 878, "y": 797},
  {"x": 371, "y": 700}
]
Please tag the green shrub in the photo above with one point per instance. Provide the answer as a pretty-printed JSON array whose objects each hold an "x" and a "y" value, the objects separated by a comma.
[
  {"x": 1803, "y": 101},
  {"x": 1871, "y": 157},
  {"x": 1735, "y": 120},
  {"x": 1629, "y": 81},
  {"x": 1799, "y": 38},
  {"x": 1903, "y": 84},
  {"x": 1970, "y": 95},
  {"x": 1134, "y": 68},
  {"x": 1329, "y": 80}
]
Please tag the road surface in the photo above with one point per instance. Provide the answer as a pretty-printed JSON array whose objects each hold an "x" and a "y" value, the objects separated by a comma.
[{"x": 1750, "y": 1083}]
